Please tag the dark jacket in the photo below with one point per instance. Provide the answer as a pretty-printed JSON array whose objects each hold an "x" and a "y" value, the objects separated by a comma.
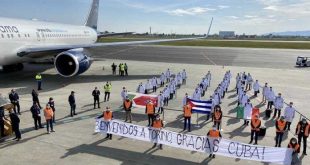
[
  {"x": 35, "y": 96},
  {"x": 35, "y": 110},
  {"x": 71, "y": 100},
  {"x": 15, "y": 120},
  {"x": 13, "y": 97},
  {"x": 96, "y": 94},
  {"x": 52, "y": 105}
]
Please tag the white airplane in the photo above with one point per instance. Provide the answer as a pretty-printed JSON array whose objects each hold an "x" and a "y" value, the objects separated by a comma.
[{"x": 26, "y": 41}]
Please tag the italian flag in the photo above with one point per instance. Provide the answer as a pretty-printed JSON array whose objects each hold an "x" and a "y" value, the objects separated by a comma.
[{"x": 140, "y": 100}]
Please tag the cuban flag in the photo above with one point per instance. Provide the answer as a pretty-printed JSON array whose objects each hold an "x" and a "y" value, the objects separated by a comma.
[{"x": 198, "y": 106}]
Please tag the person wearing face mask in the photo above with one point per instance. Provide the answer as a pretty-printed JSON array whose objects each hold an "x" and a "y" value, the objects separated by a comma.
[
  {"x": 214, "y": 133},
  {"x": 256, "y": 88},
  {"x": 14, "y": 98},
  {"x": 96, "y": 94},
  {"x": 184, "y": 101},
  {"x": 187, "y": 113},
  {"x": 247, "y": 115},
  {"x": 278, "y": 105},
  {"x": 150, "y": 111},
  {"x": 265, "y": 93},
  {"x": 127, "y": 105},
  {"x": 212, "y": 109},
  {"x": 160, "y": 102},
  {"x": 302, "y": 130},
  {"x": 157, "y": 124},
  {"x": 255, "y": 127},
  {"x": 217, "y": 116},
  {"x": 48, "y": 114},
  {"x": 296, "y": 149},
  {"x": 280, "y": 128},
  {"x": 270, "y": 98},
  {"x": 107, "y": 116},
  {"x": 289, "y": 114}
]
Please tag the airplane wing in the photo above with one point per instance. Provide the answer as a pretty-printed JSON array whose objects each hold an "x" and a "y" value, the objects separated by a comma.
[{"x": 100, "y": 35}]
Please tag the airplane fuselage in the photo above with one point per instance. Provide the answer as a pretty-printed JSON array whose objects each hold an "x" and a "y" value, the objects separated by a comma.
[{"x": 16, "y": 34}]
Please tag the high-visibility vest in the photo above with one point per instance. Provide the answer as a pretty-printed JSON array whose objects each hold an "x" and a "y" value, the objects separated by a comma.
[
  {"x": 255, "y": 123},
  {"x": 157, "y": 124},
  {"x": 214, "y": 133},
  {"x": 187, "y": 111},
  {"x": 48, "y": 113},
  {"x": 217, "y": 116},
  {"x": 122, "y": 67},
  {"x": 107, "y": 116},
  {"x": 295, "y": 148},
  {"x": 127, "y": 104},
  {"x": 306, "y": 131},
  {"x": 38, "y": 77},
  {"x": 107, "y": 88},
  {"x": 150, "y": 108},
  {"x": 281, "y": 125}
]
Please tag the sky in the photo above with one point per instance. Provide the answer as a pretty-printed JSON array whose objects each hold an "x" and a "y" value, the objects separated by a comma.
[{"x": 171, "y": 16}]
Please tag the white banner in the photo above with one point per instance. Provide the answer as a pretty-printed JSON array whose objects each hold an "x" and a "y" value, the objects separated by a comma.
[{"x": 204, "y": 144}]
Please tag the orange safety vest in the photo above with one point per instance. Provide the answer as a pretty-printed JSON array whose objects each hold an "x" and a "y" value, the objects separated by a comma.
[
  {"x": 256, "y": 123},
  {"x": 48, "y": 113},
  {"x": 187, "y": 111},
  {"x": 306, "y": 133},
  {"x": 214, "y": 134},
  {"x": 127, "y": 104},
  {"x": 150, "y": 108},
  {"x": 157, "y": 124},
  {"x": 217, "y": 116},
  {"x": 281, "y": 125},
  {"x": 107, "y": 116},
  {"x": 296, "y": 148}
]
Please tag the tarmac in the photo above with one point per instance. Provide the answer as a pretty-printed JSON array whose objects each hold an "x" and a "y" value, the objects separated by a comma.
[{"x": 75, "y": 142}]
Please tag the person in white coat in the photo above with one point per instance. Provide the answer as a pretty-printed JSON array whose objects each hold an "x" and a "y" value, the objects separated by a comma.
[
  {"x": 162, "y": 79},
  {"x": 216, "y": 98},
  {"x": 184, "y": 77},
  {"x": 154, "y": 84},
  {"x": 270, "y": 97},
  {"x": 168, "y": 75},
  {"x": 166, "y": 93},
  {"x": 184, "y": 101},
  {"x": 289, "y": 114},
  {"x": 249, "y": 82},
  {"x": 141, "y": 88},
  {"x": 244, "y": 99},
  {"x": 247, "y": 115},
  {"x": 265, "y": 92},
  {"x": 124, "y": 94},
  {"x": 256, "y": 88},
  {"x": 208, "y": 76},
  {"x": 278, "y": 105},
  {"x": 160, "y": 102},
  {"x": 196, "y": 94}
]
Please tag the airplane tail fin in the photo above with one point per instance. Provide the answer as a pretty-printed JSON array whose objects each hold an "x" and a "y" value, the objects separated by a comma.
[
  {"x": 209, "y": 28},
  {"x": 92, "y": 19}
]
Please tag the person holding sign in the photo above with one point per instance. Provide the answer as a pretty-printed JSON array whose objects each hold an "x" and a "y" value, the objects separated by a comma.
[
  {"x": 187, "y": 110},
  {"x": 281, "y": 127},
  {"x": 107, "y": 115},
  {"x": 255, "y": 126},
  {"x": 150, "y": 111},
  {"x": 217, "y": 117},
  {"x": 127, "y": 107},
  {"x": 214, "y": 134},
  {"x": 158, "y": 124}
]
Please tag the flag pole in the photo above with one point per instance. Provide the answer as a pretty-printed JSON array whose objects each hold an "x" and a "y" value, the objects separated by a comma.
[{"x": 197, "y": 126}]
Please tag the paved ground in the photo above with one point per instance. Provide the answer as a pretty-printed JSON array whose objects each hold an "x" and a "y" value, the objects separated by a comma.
[
  {"x": 262, "y": 58},
  {"x": 74, "y": 141}
]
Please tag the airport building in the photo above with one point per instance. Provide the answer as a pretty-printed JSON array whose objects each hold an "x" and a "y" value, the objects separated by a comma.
[{"x": 227, "y": 34}]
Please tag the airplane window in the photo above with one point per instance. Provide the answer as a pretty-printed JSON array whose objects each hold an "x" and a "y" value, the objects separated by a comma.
[
  {"x": 18, "y": 35},
  {"x": 28, "y": 35},
  {"x": 8, "y": 35},
  {"x": 25, "y": 35},
  {"x": 2, "y": 35},
  {"x": 12, "y": 35}
]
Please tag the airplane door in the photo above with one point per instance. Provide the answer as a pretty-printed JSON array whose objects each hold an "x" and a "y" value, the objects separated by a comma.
[
  {"x": 42, "y": 36},
  {"x": 38, "y": 36}
]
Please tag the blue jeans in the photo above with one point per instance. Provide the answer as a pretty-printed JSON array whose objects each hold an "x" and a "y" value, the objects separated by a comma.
[
  {"x": 187, "y": 123},
  {"x": 49, "y": 123}
]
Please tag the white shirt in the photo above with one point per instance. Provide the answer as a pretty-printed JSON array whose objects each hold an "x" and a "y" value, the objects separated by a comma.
[
  {"x": 265, "y": 90},
  {"x": 160, "y": 101},
  {"x": 248, "y": 107},
  {"x": 256, "y": 86},
  {"x": 278, "y": 102},
  {"x": 124, "y": 94},
  {"x": 270, "y": 95},
  {"x": 184, "y": 75},
  {"x": 289, "y": 113},
  {"x": 141, "y": 89},
  {"x": 184, "y": 100},
  {"x": 244, "y": 99}
]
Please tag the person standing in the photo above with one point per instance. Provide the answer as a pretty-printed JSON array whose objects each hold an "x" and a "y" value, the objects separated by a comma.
[
  {"x": 280, "y": 129},
  {"x": 14, "y": 98},
  {"x": 150, "y": 111},
  {"x": 278, "y": 105},
  {"x": 72, "y": 103},
  {"x": 248, "y": 107},
  {"x": 2, "y": 117},
  {"x": 302, "y": 130},
  {"x": 35, "y": 97},
  {"x": 39, "y": 81},
  {"x": 160, "y": 102},
  {"x": 51, "y": 102},
  {"x": 184, "y": 77},
  {"x": 289, "y": 114},
  {"x": 249, "y": 82},
  {"x": 214, "y": 133},
  {"x": 256, "y": 88},
  {"x": 36, "y": 115},
  {"x": 217, "y": 117},
  {"x": 107, "y": 116},
  {"x": 296, "y": 149},
  {"x": 113, "y": 66},
  {"x": 122, "y": 69},
  {"x": 96, "y": 94},
  {"x": 126, "y": 69},
  {"x": 187, "y": 113},
  {"x": 119, "y": 69},
  {"x": 141, "y": 88},
  {"x": 157, "y": 124},
  {"x": 265, "y": 93},
  {"x": 154, "y": 84},
  {"x": 15, "y": 125},
  {"x": 48, "y": 114},
  {"x": 127, "y": 105},
  {"x": 124, "y": 94},
  {"x": 270, "y": 98},
  {"x": 107, "y": 90},
  {"x": 255, "y": 127}
]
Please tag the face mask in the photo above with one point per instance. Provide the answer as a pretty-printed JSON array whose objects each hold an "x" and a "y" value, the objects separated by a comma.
[
  {"x": 293, "y": 142},
  {"x": 214, "y": 129},
  {"x": 157, "y": 118},
  {"x": 304, "y": 122}
]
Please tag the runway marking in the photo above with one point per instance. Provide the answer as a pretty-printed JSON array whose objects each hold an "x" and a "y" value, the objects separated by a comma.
[
  {"x": 206, "y": 57},
  {"x": 122, "y": 50}
]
